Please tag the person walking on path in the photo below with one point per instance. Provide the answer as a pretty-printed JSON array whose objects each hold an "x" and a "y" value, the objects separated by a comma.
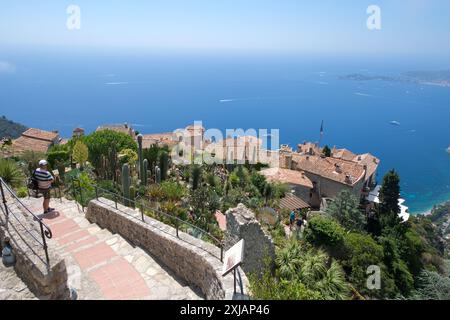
[
  {"x": 291, "y": 219},
  {"x": 44, "y": 179}
]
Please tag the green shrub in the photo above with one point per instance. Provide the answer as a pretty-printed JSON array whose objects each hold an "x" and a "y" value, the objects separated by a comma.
[
  {"x": 22, "y": 192},
  {"x": 54, "y": 157},
  {"x": 11, "y": 173},
  {"x": 324, "y": 231}
]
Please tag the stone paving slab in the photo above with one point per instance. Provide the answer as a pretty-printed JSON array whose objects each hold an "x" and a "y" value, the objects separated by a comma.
[{"x": 12, "y": 287}]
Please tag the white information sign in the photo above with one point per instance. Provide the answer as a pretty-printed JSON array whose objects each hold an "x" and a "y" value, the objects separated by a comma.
[{"x": 233, "y": 257}]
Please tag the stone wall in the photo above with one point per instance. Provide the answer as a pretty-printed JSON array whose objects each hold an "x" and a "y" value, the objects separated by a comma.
[
  {"x": 189, "y": 258},
  {"x": 242, "y": 224},
  {"x": 45, "y": 281}
]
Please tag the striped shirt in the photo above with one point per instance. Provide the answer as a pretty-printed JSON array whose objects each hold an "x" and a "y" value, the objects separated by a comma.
[{"x": 44, "y": 178}]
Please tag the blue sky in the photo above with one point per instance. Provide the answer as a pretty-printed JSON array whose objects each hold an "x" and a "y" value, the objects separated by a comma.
[{"x": 292, "y": 26}]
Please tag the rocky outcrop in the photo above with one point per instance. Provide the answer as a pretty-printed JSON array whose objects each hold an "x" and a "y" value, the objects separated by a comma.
[{"x": 242, "y": 224}]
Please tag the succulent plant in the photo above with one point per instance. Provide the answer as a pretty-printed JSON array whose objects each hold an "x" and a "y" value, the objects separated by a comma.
[
  {"x": 140, "y": 159},
  {"x": 126, "y": 183},
  {"x": 157, "y": 174},
  {"x": 144, "y": 177}
]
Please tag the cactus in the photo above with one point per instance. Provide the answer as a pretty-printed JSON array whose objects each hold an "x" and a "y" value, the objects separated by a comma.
[
  {"x": 145, "y": 175},
  {"x": 196, "y": 176},
  {"x": 126, "y": 183},
  {"x": 157, "y": 175},
  {"x": 132, "y": 195},
  {"x": 141, "y": 160},
  {"x": 163, "y": 164}
]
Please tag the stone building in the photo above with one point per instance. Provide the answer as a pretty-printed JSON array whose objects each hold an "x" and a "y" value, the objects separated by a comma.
[
  {"x": 331, "y": 175},
  {"x": 35, "y": 140},
  {"x": 123, "y": 128},
  {"x": 299, "y": 183},
  {"x": 77, "y": 132}
]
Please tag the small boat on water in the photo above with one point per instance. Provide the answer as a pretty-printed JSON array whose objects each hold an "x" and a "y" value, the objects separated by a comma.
[
  {"x": 448, "y": 149},
  {"x": 394, "y": 123}
]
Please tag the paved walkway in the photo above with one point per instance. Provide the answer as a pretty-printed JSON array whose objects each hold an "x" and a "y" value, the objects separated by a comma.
[
  {"x": 102, "y": 265},
  {"x": 11, "y": 286}
]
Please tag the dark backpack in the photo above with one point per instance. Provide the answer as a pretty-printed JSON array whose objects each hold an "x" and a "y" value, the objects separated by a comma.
[{"x": 33, "y": 184}]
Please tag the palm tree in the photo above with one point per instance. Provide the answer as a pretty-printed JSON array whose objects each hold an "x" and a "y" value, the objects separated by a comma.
[
  {"x": 11, "y": 173},
  {"x": 312, "y": 269},
  {"x": 333, "y": 285}
]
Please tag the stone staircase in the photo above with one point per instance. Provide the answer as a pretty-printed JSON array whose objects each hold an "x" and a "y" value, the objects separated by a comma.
[{"x": 102, "y": 265}]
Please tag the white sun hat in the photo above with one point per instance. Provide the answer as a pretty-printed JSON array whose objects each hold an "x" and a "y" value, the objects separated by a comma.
[{"x": 43, "y": 162}]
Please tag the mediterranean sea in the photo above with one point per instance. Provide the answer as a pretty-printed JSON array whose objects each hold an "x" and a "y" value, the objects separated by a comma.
[{"x": 158, "y": 92}]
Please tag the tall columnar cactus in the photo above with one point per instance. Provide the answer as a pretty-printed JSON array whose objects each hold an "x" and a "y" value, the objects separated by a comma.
[
  {"x": 132, "y": 195},
  {"x": 140, "y": 158},
  {"x": 113, "y": 162},
  {"x": 196, "y": 175},
  {"x": 126, "y": 183},
  {"x": 157, "y": 174},
  {"x": 163, "y": 164},
  {"x": 145, "y": 175}
]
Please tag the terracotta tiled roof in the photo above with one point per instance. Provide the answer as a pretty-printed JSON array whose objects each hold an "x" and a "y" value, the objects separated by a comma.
[
  {"x": 249, "y": 144},
  {"x": 342, "y": 171},
  {"x": 307, "y": 147},
  {"x": 287, "y": 176},
  {"x": 167, "y": 138},
  {"x": 40, "y": 134},
  {"x": 370, "y": 161},
  {"x": 23, "y": 144},
  {"x": 195, "y": 127},
  {"x": 293, "y": 202},
  {"x": 343, "y": 154}
]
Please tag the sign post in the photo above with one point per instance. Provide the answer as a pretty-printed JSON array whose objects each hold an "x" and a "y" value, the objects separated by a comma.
[{"x": 233, "y": 259}]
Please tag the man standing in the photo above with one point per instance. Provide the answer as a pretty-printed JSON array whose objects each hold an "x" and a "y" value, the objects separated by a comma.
[{"x": 45, "y": 180}]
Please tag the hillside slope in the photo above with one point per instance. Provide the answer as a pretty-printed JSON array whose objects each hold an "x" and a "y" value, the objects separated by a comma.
[{"x": 10, "y": 129}]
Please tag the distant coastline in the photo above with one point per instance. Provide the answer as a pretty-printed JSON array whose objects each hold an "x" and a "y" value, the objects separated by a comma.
[{"x": 434, "y": 78}]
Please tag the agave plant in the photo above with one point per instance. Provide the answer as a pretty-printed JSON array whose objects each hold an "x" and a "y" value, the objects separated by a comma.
[
  {"x": 11, "y": 173},
  {"x": 288, "y": 261}
]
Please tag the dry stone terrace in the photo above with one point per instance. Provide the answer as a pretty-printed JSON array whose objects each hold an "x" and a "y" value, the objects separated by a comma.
[{"x": 101, "y": 265}]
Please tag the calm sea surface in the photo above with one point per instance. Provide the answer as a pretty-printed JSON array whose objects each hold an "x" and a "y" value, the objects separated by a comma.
[{"x": 164, "y": 92}]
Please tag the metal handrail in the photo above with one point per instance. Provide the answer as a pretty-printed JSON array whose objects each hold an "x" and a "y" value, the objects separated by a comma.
[
  {"x": 142, "y": 208},
  {"x": 45, "y": 231}
]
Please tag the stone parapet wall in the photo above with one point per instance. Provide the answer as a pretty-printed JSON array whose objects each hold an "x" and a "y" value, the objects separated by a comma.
[
  {"x": 188, "y": 257},
  {"x": 45, "y": 281}
]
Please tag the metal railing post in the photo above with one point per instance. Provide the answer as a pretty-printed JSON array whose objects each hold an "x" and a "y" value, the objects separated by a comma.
[
  {"x": 44, "y": 242},
  {"x": 96, "y": 192},
  {"x": 115, "y": 200},
  {"x": 142, "y": 211},
  {"x": 81, "y": 194},
  {"x": 177, "y": 229},
  {"x": 4, "y": 203},
  {"x": 221, "y": 252}
]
